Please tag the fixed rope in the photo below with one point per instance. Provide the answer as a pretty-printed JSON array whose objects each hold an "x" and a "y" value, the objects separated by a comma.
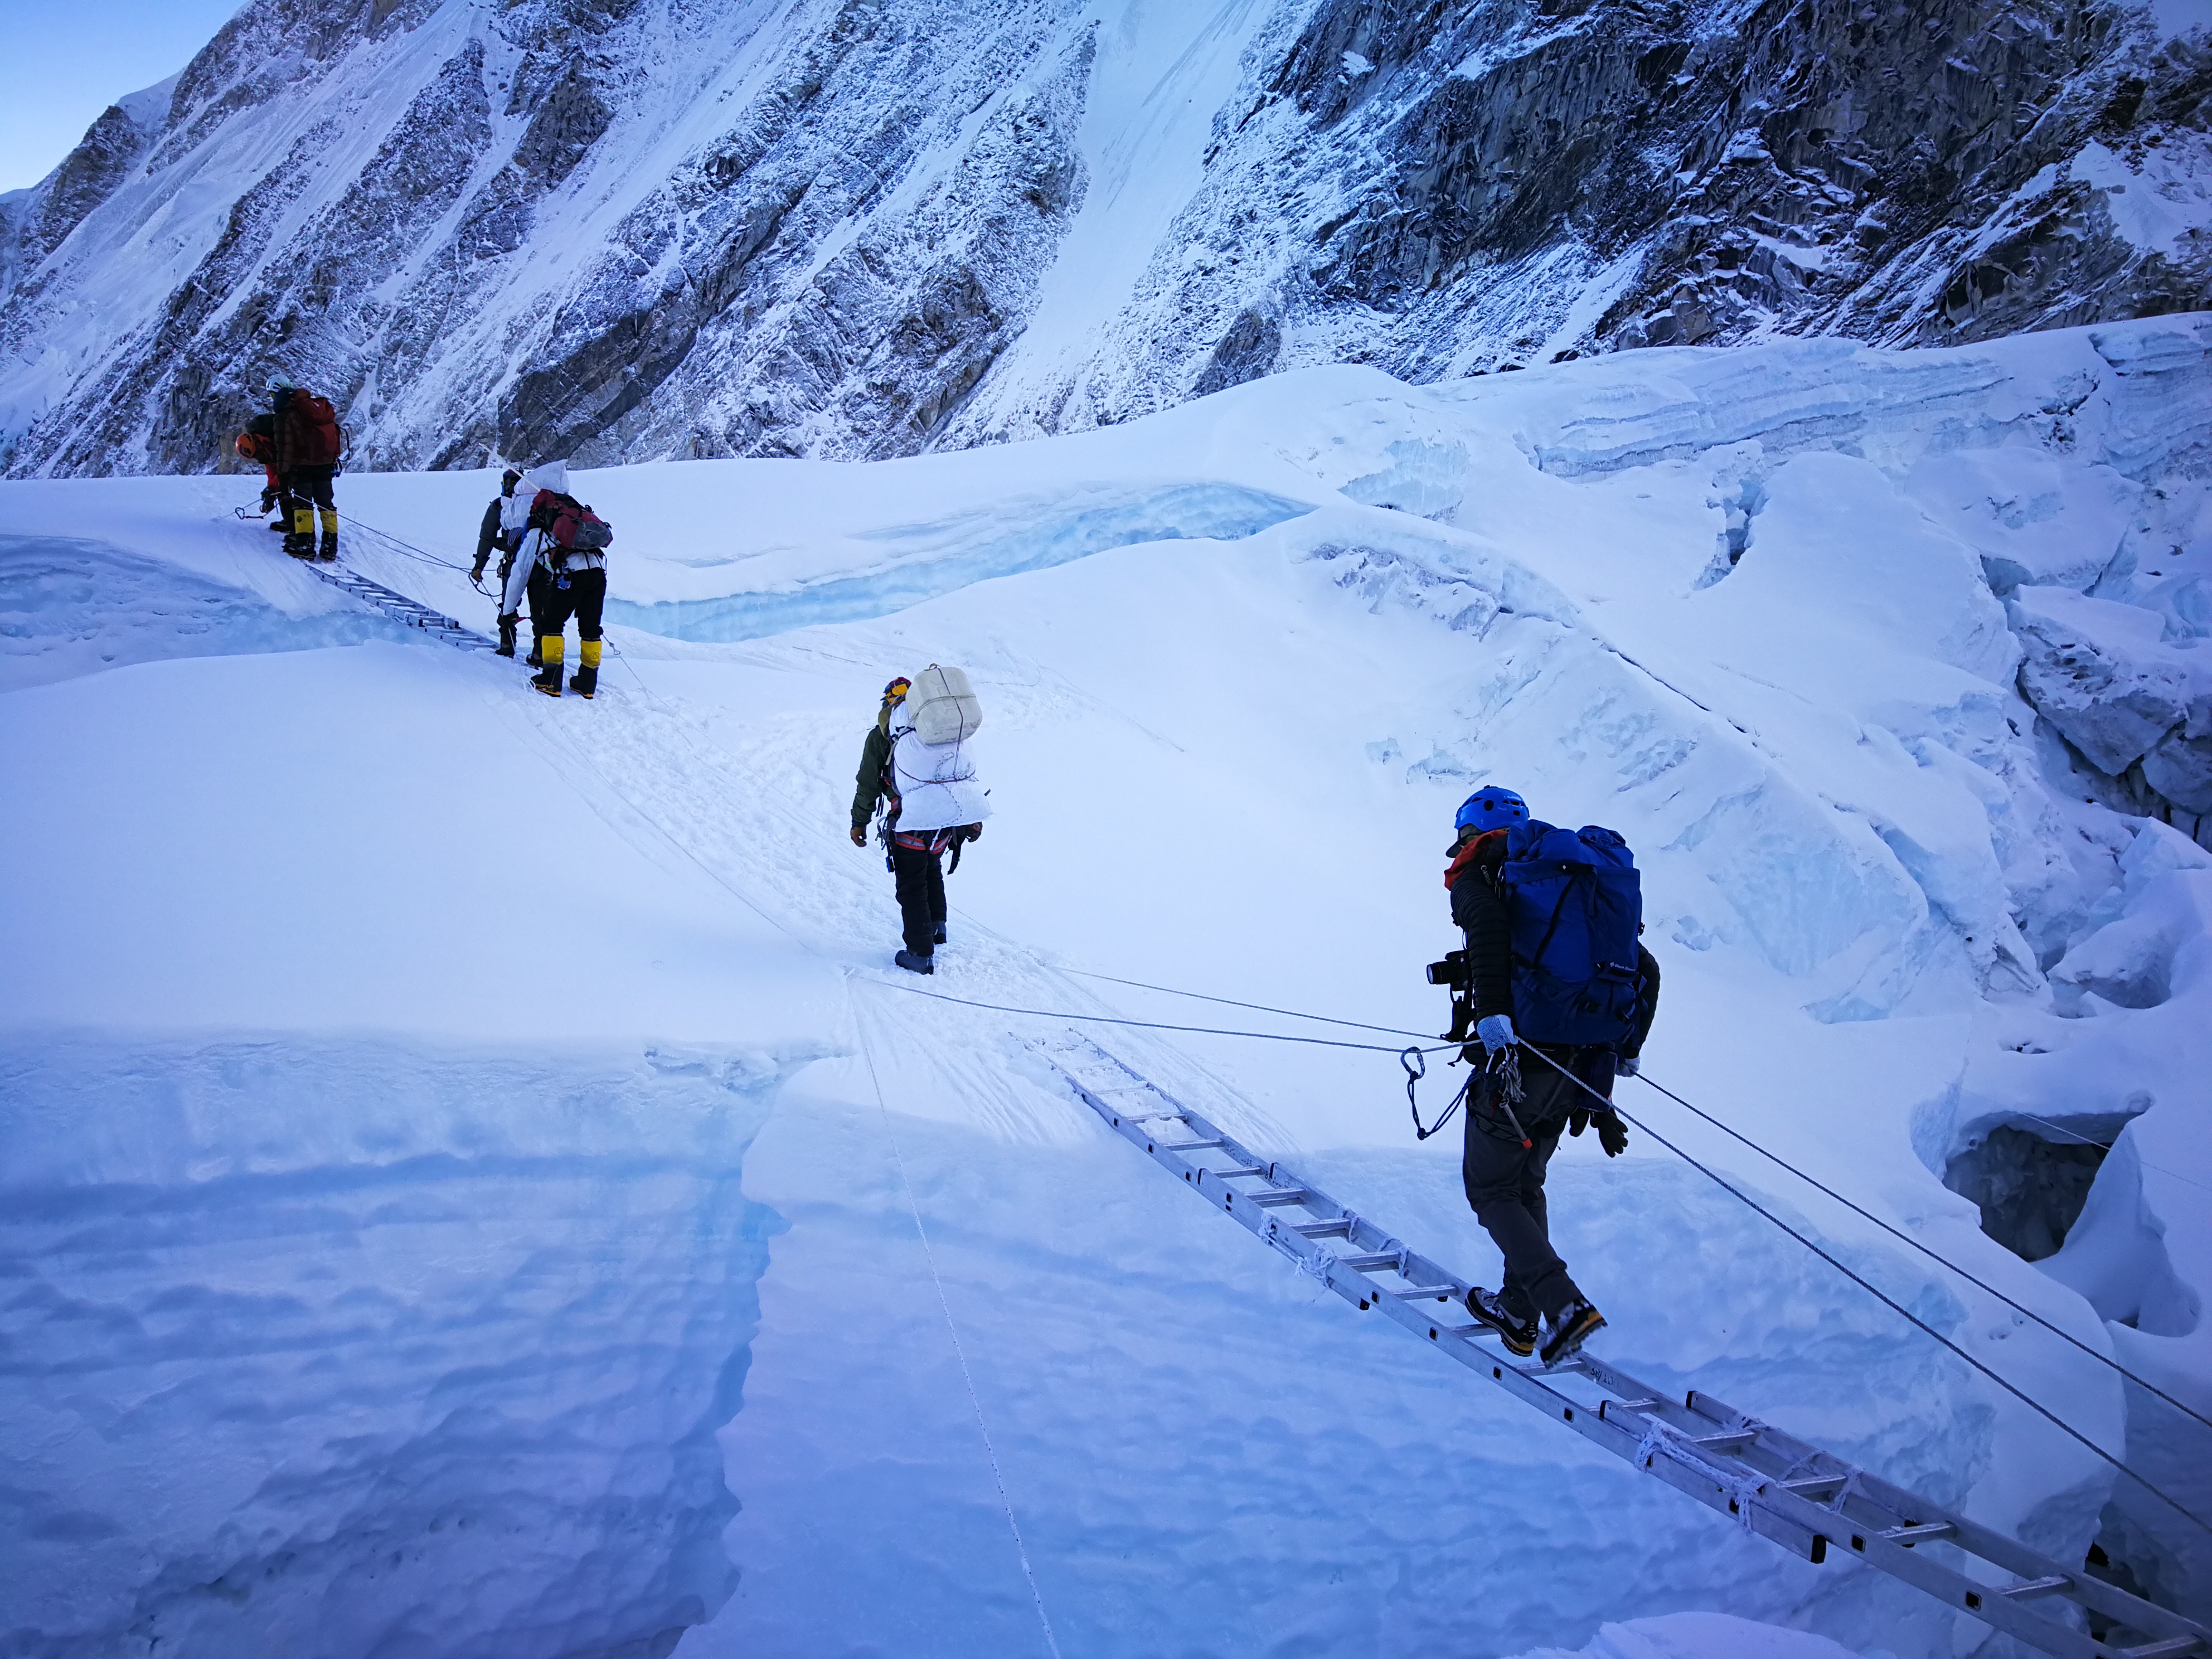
[
  {"x": 1895, "y": 1232},
  {"x": 959, "y": 1350},
  {"x": 1892, "y": 1303},
  {"x": 1157, "y": 1025}
]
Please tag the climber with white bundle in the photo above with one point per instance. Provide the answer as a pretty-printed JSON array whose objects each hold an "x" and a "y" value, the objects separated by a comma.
[{"x": 916, "y": 762}]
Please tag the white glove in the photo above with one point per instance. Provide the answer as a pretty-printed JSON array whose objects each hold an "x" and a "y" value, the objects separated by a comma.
[
  {"x": 1624, "y": 1066},
  {"x": 1495, "y": 1032}
]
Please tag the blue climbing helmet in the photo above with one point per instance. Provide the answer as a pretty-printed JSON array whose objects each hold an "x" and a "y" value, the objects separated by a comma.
[{"x": 1491, "y": 808}]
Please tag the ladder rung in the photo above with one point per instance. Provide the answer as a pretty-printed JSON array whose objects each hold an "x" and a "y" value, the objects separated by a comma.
[
  {"x": 2173, "y": 1648},
  {"x": 1261, "y": 1169},
  {"x": 2027, "y": 1586},
  {"x": 1280, "y": 1195},
  {"x": 1322, "y": 1229},
  {"x": 1613, "y": 1406},
  {"x": 1442, "y": 1293},
  {"x": 1922, "y": 1533},
  {"x": 1191, "y": 1146},
  {"x": 1731, "y": 1441},
  {"x": 1371, "y": 1264},
  {"x": 1814, "y": 1483}
]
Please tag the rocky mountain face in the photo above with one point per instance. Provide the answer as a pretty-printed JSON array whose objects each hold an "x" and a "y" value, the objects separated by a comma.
[{"x": 638, "y": 228}]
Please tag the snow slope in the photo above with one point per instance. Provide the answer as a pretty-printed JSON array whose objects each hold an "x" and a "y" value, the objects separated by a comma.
[{"x": 469, "y": 1162}]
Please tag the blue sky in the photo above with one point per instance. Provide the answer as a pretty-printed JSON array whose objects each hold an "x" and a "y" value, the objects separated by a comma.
[{"x": 68, "y": 62}]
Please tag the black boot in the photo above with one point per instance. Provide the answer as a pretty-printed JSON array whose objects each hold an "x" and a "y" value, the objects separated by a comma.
[
  {"x": 547, "y": 677},
  {"x": 1565, "y": 1336},
  {"x": 586, "y": 681},
  {"x": 914, "y": 964},
  {"x": 941, "y": 933},
  {"x": 1519, "y": 1334},
  {"x": 507, "y": 635}
]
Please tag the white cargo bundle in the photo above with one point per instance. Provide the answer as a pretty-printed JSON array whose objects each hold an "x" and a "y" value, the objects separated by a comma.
[
  {"x": 942, "y": 707},
  {"x": 936, "y": 784}
]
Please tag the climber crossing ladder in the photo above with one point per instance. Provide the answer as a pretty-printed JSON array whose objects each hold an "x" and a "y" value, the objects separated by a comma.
[{"x": 1773, "y": 1483}]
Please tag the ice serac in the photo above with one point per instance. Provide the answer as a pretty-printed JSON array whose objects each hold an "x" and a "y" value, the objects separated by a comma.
[{"x": 855, "y": 228}]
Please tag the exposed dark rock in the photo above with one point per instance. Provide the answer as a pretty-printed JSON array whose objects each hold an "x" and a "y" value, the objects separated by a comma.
[{"x": 1245, "y": 352}]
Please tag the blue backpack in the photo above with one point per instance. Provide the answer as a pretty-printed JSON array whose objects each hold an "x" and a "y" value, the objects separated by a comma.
[{"x": 1574, "y": 905}]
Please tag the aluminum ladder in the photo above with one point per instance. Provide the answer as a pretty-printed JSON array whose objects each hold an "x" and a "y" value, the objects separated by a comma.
[
  {"x": 1788, "y": 1492},
  {"x": 399, "y": 607}
]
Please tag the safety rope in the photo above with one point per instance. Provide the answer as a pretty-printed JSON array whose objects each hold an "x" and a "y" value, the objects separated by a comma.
[
  {"x": 1153, "y": 1025},
  {"x": 1906, "y": 1238},
  {"x": 1231, "y": 1002},
  {"x": 1895, "y": 1232},
  {"x": 403, "y": 548},
  {"x": 1890, "y": 1303},
  {"x": 959, "y": 1349}
]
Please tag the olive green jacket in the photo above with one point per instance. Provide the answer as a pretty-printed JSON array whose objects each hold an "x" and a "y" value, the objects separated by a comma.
[{"x": 868, "y": 782}]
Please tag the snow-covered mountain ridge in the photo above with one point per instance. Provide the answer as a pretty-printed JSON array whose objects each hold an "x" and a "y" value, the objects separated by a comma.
[{"x": 632, "y": 229}]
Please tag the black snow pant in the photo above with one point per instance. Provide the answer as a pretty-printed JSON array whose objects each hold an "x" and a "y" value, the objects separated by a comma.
[
  {"x": 584, "y": 596},
  {"x": 919, "y": 877},
  {"x": 1505, "y": 1180},
  {"x": 300, "y": 492},
  {"x": 537, "y": 594}
]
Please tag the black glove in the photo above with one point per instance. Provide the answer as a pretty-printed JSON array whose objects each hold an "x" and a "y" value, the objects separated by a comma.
[
  {"x": 1625, "y": 1065},
  {"x": 268, "y": 500},
  {"x": 1612, "y": 1133},
  {"x": 1577, "y": 1120}
]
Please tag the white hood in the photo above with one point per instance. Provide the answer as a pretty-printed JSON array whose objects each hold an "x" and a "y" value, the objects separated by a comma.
[{"x": 514, "y": 515}]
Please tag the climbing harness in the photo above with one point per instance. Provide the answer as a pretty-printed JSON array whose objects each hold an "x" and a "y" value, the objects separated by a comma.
[
  {"x": 1502, "y": 1071},
  {"x": 1417, "y": 1068},
  {"x": 1783, "y": 1489}
]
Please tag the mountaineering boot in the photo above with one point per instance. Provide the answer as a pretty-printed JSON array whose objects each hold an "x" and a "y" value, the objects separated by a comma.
[
  {"x": 548, "y": 678},
  {"x": 329, "y": 555},
  {"x": 507, "y": 635},
  {"x": 1574, "y": 1326},
  {"x": 300, "y": 540},
  {"x": 586, "y": 681},
  {"x": 1519, "y": 1335},
  {"x": 939, "y": 935},
  {"x": 914, "y": 964},
  {"x": 534, "y": 661}
]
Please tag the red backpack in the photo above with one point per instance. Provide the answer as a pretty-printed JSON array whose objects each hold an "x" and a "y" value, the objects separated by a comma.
[
  {"x": 569, "y": 524},
  {"x": 312, "y": 426}
]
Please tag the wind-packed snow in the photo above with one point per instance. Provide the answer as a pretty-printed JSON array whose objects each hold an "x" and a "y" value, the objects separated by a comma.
[{"x": 468, "y": 1159}]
